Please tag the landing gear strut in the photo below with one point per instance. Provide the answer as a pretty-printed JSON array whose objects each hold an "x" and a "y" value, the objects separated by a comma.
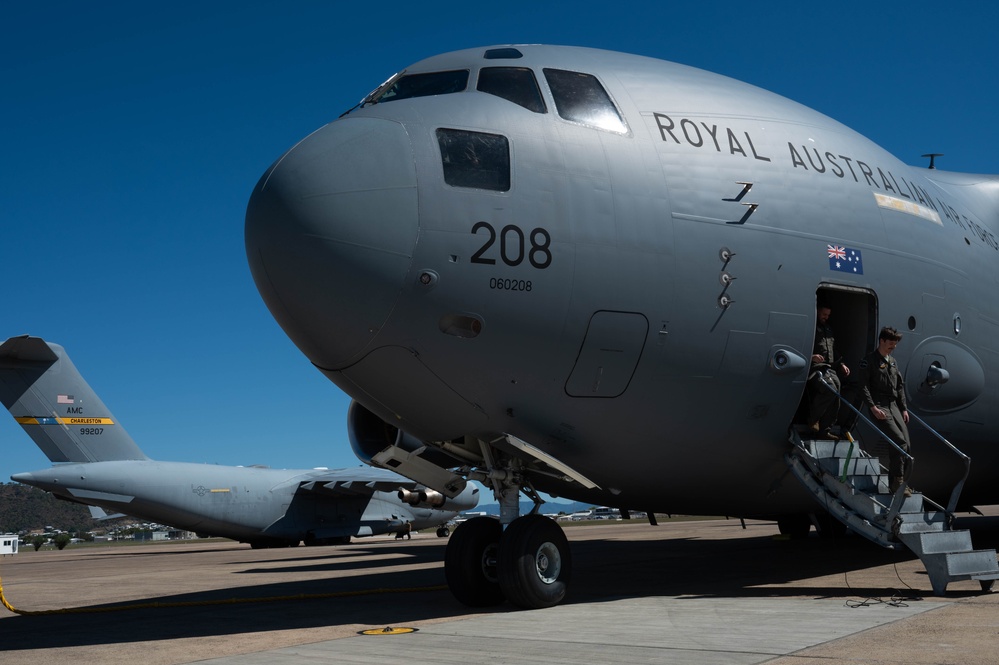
[{"x": 524, "y": 559}]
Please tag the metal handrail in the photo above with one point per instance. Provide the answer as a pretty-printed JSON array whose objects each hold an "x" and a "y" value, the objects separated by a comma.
[
  {"x": 899, "y": 497},
  {"x": 870, "y": 422},
  {"x": 956, "y": 492},
  {"x": 896, "y": 504}
]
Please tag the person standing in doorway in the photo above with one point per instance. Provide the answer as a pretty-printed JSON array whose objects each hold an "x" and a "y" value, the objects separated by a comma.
[{"x": 823, "y": 404}]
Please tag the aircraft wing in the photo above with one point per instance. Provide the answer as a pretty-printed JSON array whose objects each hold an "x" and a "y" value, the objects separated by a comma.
[{"x": 362, "y": 481}]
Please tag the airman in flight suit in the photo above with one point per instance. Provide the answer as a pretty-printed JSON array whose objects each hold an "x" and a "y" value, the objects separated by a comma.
[{"x": 884, "y": 393}]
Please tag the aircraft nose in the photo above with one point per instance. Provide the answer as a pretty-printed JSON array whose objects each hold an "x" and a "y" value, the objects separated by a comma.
[{"x": 330, "y": 232}]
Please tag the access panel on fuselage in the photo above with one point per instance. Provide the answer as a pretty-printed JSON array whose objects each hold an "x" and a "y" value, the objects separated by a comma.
[{"x": 609, "y": 355}]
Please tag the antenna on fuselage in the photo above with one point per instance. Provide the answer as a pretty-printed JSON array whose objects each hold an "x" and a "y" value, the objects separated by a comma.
[{"x": 933, "y": 156}]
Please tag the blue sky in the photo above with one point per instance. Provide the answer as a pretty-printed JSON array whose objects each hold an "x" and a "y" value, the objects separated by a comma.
[{"x": 133, "y": 133}]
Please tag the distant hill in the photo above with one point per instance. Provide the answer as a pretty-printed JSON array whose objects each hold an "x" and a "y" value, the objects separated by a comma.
[{"x": 24, "y": 508}]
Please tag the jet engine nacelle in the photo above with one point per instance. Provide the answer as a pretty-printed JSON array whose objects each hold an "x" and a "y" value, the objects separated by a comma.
[
  {"x": 425, "y": 498},
  {"x": 369, "y": 435}
]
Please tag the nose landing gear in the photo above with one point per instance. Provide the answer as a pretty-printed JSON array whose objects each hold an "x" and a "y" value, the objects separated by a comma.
[
  {"x": 535, "y": 563},
  {"x": 470, "y": 562},
  {"x": 529, "y": 563},
  {"x": 523, "y": 559}
]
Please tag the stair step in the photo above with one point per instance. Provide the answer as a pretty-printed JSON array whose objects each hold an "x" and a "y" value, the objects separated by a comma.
[
  {"x": 952, "y": 566},
  {"x": 855, "y": 466},
  {"x": 975, "y": 562},
  {"x": 937, "y": 542},
  {"x": 868, "y": 484},
  {"x": 910, "y": 504},
  {"x": 823, "y": 449},
  {"x": 931, "y": 521},
  {"x": 850, "y": 484},
  {"x": 879, "y": 504}
]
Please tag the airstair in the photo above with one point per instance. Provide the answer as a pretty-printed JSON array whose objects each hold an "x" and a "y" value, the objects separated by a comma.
[{"x": 853, "y": 487}]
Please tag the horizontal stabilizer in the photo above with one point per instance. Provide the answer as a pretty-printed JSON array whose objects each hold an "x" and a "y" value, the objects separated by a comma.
[
  {"x": 101, "y": 514},
  {"x": 104, "y": 497}
]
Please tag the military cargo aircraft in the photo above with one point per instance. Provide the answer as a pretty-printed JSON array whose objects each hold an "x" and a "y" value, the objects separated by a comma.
[
  {"x": 595, "y": 275},
  {"x": 98, "y": 464}
]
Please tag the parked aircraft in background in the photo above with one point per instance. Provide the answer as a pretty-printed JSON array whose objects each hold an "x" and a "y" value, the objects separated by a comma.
[
  {"x": 595, "y": 275},
  {"x": 98, "y": 464}
]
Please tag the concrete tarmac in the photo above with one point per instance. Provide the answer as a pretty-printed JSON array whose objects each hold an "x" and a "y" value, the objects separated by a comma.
[{"x": 683, "y": 592}]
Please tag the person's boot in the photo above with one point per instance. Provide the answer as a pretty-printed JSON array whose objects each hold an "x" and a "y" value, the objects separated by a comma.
[{"x": 897, "y": 482}]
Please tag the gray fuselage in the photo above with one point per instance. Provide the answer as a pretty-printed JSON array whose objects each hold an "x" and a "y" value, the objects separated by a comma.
[
  {"x": 621, "y": 302},
  {"x": 243, "y": 503}
]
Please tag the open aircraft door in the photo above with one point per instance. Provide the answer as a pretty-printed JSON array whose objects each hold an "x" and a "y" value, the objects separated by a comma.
[{"x": 854, "y": 320}]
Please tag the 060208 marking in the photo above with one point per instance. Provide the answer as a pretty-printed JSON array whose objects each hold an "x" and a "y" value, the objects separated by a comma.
[{"x": 510, "y": 284}]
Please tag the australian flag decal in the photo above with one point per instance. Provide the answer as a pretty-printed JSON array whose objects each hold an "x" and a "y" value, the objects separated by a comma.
[{"x": 845, "y": 259}]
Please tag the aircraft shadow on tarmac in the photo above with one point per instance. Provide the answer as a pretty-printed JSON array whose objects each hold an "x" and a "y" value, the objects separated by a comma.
[
  {"x": 604, "y": 570},
  {"x": 408, "y": 555},
  {"x": 137, "y": 552}
]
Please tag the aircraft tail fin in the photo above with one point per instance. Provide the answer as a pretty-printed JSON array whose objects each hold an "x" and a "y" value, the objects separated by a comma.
[{"x": 45, "y": 393}]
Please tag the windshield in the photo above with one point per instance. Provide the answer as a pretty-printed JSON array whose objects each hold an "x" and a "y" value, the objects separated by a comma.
[
  {"x": 580, "y": 98},
  {"x": 421, "y": 85},
  {"x": 515, "y": 84}
]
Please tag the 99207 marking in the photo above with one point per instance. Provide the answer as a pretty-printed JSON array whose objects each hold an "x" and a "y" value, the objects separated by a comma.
[{"x": 513, "y": 246}]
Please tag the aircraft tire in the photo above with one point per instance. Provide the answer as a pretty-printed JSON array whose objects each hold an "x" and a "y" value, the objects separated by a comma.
[
  {"x": 470, "y": 562},
  {"x": 535, "y": 563},
  {"x": 443, "y": 532}
]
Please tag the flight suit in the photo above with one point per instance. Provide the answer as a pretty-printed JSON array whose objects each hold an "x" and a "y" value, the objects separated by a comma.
[
  {"x": 823, "y": 404},
  {"x": 882, "y": 386}
]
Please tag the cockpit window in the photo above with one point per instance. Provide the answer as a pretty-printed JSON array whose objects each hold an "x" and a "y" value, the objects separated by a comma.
[
  {"x": 475, "y": 159},
  {"x": 515, "y": 84},
  {"x": 580, "y": 98},
  {"x": 422, "y": 85}
]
